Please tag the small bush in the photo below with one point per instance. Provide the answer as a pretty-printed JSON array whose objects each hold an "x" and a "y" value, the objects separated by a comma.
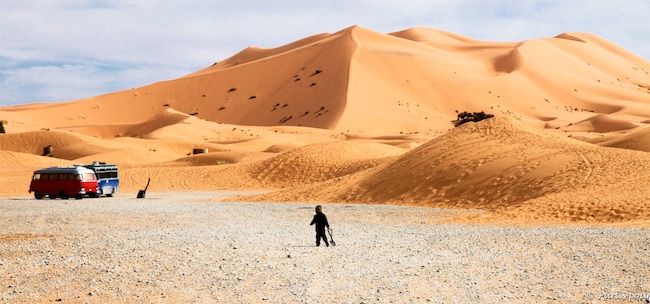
[
  {"x": 467, "y": 117},
  {"x": 2, "y": 127}
]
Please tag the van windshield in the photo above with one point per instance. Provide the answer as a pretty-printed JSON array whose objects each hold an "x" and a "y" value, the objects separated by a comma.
[{"x": 88, "y": 176}]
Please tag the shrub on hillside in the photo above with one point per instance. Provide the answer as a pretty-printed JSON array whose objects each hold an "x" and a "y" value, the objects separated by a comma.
[
  {"x": 2, "y": 127},
  {"x": 467, "y": 117}
]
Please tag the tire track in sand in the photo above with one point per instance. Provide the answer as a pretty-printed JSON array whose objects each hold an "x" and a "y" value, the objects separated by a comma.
[{"x": 590, "y": 166}]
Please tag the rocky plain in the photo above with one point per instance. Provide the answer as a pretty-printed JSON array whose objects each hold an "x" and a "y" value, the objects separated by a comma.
[{"x": 199, "y": 247}]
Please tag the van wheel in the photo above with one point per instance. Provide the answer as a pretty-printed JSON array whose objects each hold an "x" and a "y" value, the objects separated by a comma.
[
  {"x": 63, "y": 195},
  {"x": 37, "y": 195}
]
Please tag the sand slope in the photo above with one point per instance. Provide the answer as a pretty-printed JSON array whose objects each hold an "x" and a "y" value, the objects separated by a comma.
[
  {"x": 366, "y": 117},
  {"x": 505, "y": 167},
  {"x": 361, "y": 80},
  {"x": 637, "y": 140}
]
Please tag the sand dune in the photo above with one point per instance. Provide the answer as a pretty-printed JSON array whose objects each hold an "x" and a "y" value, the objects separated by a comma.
[
  {"x": 601, "y": 123},
  {"x": 34, "y": 142},
  {"x": 320, "y": 162},
  {"x": 637, "y": 140},
  {"x": 334, "y": 81},
  {"x": 366, "y": 117},
  {"x": 505, "y": 167}
]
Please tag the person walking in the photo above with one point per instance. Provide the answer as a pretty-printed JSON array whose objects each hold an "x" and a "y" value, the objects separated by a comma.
[{"x": 320, "y": 220}]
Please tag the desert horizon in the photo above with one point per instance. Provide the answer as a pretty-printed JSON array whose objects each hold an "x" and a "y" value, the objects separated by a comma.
[
  {"x": 358, "y": 116},
  {"x": 450, "y": 169}
]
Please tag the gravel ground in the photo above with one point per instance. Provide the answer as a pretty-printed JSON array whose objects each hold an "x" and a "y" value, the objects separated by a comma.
[{"x": 185, "y": 247}]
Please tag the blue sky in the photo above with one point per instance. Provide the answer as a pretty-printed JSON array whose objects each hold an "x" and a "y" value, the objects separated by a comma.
[{"x": 58, "y": 50}]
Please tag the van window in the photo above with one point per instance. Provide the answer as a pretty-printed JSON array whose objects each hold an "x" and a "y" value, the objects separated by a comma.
[
  {"x": 88, "y": 176},
  {"x": 37, "y": 176}
]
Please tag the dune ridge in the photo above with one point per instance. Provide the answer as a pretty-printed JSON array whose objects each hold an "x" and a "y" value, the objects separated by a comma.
[
  {"x": 359, "y": 116},
  {"x": 424, "y": 77}
]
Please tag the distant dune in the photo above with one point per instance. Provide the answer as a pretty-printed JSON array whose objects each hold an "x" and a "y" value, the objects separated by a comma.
[{"x": 360, "y": 116}]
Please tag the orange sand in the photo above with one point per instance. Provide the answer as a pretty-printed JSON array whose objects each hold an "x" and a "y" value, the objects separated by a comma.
[{"x": 364, "y": 117}]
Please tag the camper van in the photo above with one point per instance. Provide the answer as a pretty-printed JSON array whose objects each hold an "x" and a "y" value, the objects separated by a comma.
[{"x": 64, "y": 182}]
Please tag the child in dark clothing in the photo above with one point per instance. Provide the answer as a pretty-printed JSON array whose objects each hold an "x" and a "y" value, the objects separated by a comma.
[{"x": 320, "y": 220}]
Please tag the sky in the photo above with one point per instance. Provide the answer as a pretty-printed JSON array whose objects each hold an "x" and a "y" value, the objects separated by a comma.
[{"x": 60, "y": 50}]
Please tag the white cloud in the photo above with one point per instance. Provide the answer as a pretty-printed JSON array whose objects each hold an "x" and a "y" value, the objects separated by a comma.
[
  {"x": 45, "y": 83},
  {"x": 70, "y": 49}
]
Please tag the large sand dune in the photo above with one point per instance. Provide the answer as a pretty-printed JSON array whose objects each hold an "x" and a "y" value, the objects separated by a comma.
[
  {"x": 364, "y": 117},
  {"x": 518, "y": 172}
]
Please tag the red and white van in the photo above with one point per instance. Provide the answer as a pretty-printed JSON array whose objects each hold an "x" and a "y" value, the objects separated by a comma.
[{"x": 64, "y": 182}]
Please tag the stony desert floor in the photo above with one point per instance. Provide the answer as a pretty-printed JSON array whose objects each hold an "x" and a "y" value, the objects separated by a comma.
[{"x": 196, "y": 247}]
